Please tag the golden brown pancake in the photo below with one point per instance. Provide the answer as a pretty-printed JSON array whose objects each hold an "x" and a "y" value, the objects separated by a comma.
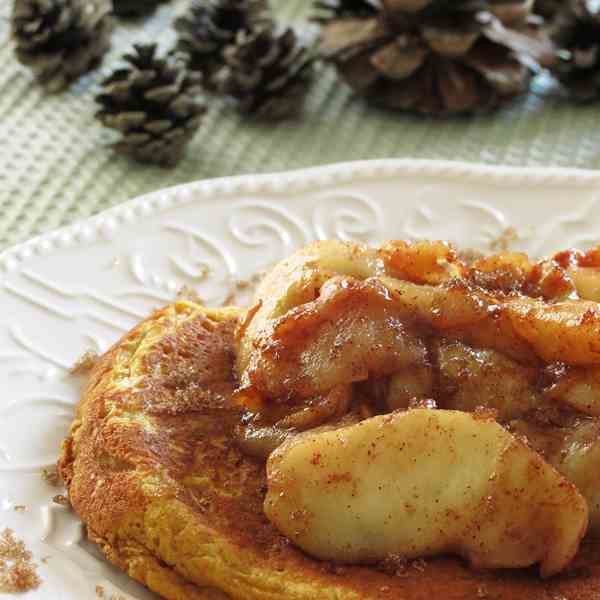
[{"x": 153, "y": 471}]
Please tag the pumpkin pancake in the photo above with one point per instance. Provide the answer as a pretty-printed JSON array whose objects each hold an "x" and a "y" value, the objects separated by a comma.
[{"x": 153, "y": 470}]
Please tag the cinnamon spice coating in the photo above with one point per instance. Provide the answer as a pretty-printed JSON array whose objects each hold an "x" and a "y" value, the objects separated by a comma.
[{"x": 154, "y": 465}]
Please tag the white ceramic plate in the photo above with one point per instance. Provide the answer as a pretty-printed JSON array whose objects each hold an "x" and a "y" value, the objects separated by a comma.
[{"x": 82, "y": 287}]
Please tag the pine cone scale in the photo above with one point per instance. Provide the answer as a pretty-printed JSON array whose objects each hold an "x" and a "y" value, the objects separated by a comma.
[
  {"x": 398, "y": 63},
  {"x": 506, "y": 74},
  {"x": 116, "y": 92},
  {"x": 511, "y": 11},
  {"x": 125, "y": 121},
  {"x": 351, "y": 37},
  {"x": 162, "y": 95},
  {"x": 459, "y": 88},
  {"x": 407, "y": 6},
  {"x": 530, "y": 42},
  {"x": 135, "y": 140},
  {"x": 585, "y": 58},
  {"x": 326, "y": 10},
  {"x": 360, "y": 74},
  {"x": 548, "y": 9},
  {"x": 157, "y": 127},
  {"x": 450, "y": 43},
  {"x": 135, "y": 8}
]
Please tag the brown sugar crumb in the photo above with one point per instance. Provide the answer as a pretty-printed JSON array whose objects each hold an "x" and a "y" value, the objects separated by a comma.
[
  {"x": 469, "y": 256},
  {"x": 337, "y": 477},
  {"x": 484, "y": 413},
  {"x": 51, "y": 476},
  {"x": 419, "y": 565},
  {"x": 395, "y": 565},
  {"x": 243, "y": 285},
  {"x": 61, "y": 499},
  {"x": 252, "y": 282},
  {"x": 18, "y": 573},
  {"x": 188, "y": 294},
  {"x": 101, "y": 593},
  {"x": 334, "y": 568},
  {"x": 428, "y": 403},
  {"x": 504, "y": 241},
  {"x": 85, "y": 363},
  {"x": 482, "y": 592},
  {"x": 20, "y": 508},
  {"x": 230, "y": 299}
]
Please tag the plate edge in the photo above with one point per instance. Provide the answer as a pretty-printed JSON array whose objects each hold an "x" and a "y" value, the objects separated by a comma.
[{"x": 295, "y": 181}]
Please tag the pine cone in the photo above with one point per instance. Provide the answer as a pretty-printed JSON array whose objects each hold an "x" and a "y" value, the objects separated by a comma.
[
  {"x": 211, "y": 25},
  {"x": 435, "y": 56},
  {"x": 135, "y": 8},
  {"x": 267, "y": 73},
  {"x": 153, "y": 103},
  {"x": 577, "y": 34},
  {"x": 60, "y": 39}
]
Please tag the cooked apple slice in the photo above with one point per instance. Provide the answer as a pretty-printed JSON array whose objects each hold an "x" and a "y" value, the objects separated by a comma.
[
  {"x": 571, "y": 444},
  {"x": 422, "y": 483},
  {"x": 297, "y": 280},
  {"x": 472, "y": 377},
  {"x": 353, "y": 331}
]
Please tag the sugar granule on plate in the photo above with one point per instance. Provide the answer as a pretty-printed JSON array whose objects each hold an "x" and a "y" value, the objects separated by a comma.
[
  {"x": 188, "y": 294},
  {"x": 18, "y": 572},
  {"x": 101, "y": 593},
  {"x": 51, "y": 476},
  {"x": 504, "y": 241},
  {"x": 61, "y": 499},
  {"x": 243, "y": 285},
  {"x": 85, "y": 363}
]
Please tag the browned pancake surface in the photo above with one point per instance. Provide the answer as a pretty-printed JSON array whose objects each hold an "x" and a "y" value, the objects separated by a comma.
[{"x": 153, "y": 471}]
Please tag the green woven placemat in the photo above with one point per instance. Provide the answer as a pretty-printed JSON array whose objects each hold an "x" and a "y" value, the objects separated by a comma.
[{"x": 56, "y": 166}]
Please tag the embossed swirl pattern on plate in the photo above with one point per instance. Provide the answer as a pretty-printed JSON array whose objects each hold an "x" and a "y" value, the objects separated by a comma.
[{"x": 348, "y": 217}]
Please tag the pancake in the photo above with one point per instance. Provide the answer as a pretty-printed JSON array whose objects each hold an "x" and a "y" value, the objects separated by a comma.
[{"x": 154, "y": 472}]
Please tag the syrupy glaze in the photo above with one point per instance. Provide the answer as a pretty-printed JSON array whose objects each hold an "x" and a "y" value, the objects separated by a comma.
[
  {"x": 180, "y": 423},
  {"x": 504, "y": 334},
  {"x": 235, "y": 506},
  {"x": 193, "y": 411}
]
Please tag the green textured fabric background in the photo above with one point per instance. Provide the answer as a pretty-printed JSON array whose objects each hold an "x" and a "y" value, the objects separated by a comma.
[{"x": 56, "y": 166}]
